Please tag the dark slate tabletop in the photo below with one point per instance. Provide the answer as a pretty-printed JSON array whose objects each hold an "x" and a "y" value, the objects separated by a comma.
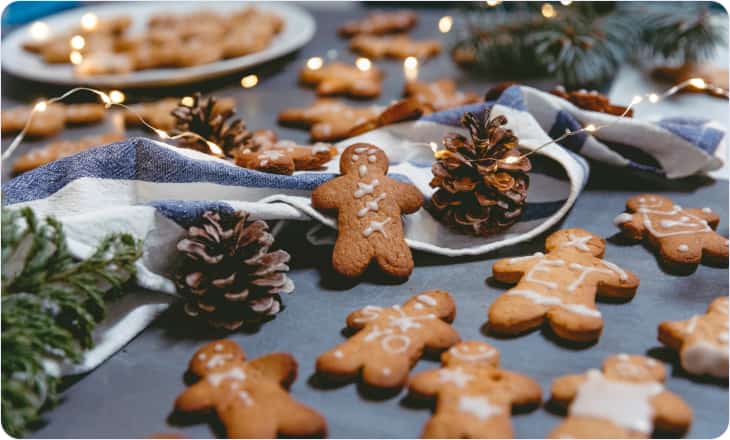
[{"x": 131, "y": 394}]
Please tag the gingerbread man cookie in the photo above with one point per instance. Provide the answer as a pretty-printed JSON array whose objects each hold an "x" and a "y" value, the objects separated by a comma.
[
  {"x": 271, "y": 155},
  {"x": 249, "y": 397},
  {"x": 369, "y": 206},
  {"x": 438, "y": 95},
  {"x": 328, "y": 120},
  {"x": 399, "y": 47},
  {"x": 702, "y": 340},
  {"x": 625, "y": 400},
  {"x": 474, "y": 397},
  {"x": 343, "y": 79},
  {"x": 52, "y": 120},
  {"x": 560, "y": 286},
  {"x": 379, "y": 23},
  {"x": 682, "y": 237},
  {"x": 390, "y": 340}
]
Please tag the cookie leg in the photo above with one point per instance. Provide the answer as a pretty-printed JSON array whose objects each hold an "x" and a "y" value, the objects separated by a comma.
[
  {"x": 573, "y": 326},
  {"x": 396, "y": 260},
  {"x": 715, "y": 250},
  {"x": 298, "y": 420},
  {"x": 515, "y": 314},
  {"x": 584, "y": 427},
  {"x": 680, "y": 253},
  {"x": 386, "y": 372},
  {"x": 247, "y": 421},
  {"x": 447, "y": 425},
  {"x": 351, "y": 256},
  {"x": 341, "y": 363}
]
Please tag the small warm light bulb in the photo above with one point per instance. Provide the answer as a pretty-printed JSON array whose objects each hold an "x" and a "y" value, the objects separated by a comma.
[
  {"x": 410, "y": 68},
  {"x": 653, "y": 97},
  {"x": 161, "y": 133},
  {"x": 187, "y": 101},
  {"x": 116, "y": 96},
  {"x": 215, "y": 149},
  {"x": 493, "y": 2},
  {"x": 105, "y": 99},
  {"x": 636, "y": 100},
  {"x": 363, "y": 64},
  {"x": 512, "y": 159},
  {"x": 249, "y": 81},
  {"x": 445, "y": 24},
  {"x": 566, "y": 2},
  {"x": 41, "y": 106},
  {"x": 698, "y": 83},
  {"x": 547, "y": 10},
  {"x": 314, "y": 63},
  {"x": 434, "y": 146},
  {"x": 39, "y": 30},
  {"x": 89, "y": 21},
  {"x": 77, "y": 42},
  {"x": 590, "y": 127},
  {"x": 75, "y": 57}
]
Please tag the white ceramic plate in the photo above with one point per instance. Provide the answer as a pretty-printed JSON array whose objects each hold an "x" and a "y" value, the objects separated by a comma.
[{"x": 298, "y": 30}]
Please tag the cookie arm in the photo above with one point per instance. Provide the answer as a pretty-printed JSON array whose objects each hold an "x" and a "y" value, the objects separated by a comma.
[
  {"x": 618, "y": 284},
  {"x": 672, "y": 334},
  {"x": 409, "y": 198},
  {"x": 298, "y": 420},
  {"x": 631, "y": 225},
  {"x": 672, "y": 415},
  {"x": 565, "y": 388},
  {"x": 198, "y": 397},
  {"x": 524, "y": 391},
  {"x": 425, "y": 384},
  {"x": 709, "y": 216},
  {"x": 279, "y": 367},
  {"x": 511, "y": 270},
  {"x": 441, "y": 336},
  {"x": 327, "y": 196}
]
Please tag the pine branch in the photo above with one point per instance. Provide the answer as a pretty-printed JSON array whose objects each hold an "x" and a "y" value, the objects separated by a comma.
[{"x": 50, "y": 307}]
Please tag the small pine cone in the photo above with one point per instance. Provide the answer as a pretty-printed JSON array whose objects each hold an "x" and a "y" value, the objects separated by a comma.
[
  {"x": 229, "y": 277},
  {"x": 209, "y": 118},
  {"x": 481, "y": 182}
]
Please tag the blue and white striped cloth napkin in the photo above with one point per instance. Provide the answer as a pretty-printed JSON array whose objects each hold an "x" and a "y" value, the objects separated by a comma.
[{"x": 154, "y": 190}]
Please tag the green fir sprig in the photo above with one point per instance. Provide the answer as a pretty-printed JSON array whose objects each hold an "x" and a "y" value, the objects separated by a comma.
[
  {"x": 582, "y": 44},
  {"x": 50, "y": 306}
]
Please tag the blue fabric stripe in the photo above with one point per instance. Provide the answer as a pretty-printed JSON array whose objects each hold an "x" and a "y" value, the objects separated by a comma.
[
  {"x": 185, "y": 212},
  {"x": 694, "y": 131},
  {"x": 565, "y": 121},
  {"x": 452, "y": 117},
  {"x": 512, "y": 97}
]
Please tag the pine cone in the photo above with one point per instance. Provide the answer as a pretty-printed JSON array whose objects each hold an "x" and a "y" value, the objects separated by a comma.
[
  {"x": 229, "y": 277},
  {"x": 208, "y": 117},
  {"x": 482, "y": 182}
]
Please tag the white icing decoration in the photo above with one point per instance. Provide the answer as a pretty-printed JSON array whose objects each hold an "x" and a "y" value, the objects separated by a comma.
[
  {"x": 245, "y": 398},
  {"x": 371, "y": 205},
  {"x": 392, "y": 339},
  {"x": 630, "y": 370},
  {"x": 686, "y": 227},
  {"x": 365, "y": 188},
  {"x": 691, "y": 325},
  {"x": 372, "y": 159},
  {"x": 461, "y": 352},
  {"x": 478, "y": 406},
  {"x": 537, "y": 298},
  {"x": 375, "y": 226},
  {"x": 626, "y": 404},
  {"x": 369, "y": 313},
  {"x": 218, "y": 347},
  {"x": 622, "y": 275},
  {"x": 234, "y": 374},
  {"x": 320, "y": 148},
  {"x": 360, "y": 150},
  {"x": 427, "y": 300},
  {"x": 682, "y": 248},
  {"x": 623, "y": 357},
  {"x": 706, "y": 210},
  {"x": 264, "y": 162},
  {"x": 201, "y": 356},
  {"x": 418, "y": 306},
  {"x": 543, "y": 266},
  {"x": 577, "y": 242},
  {"x": 622, "y": 218},
  {"x": 272, "y": 154},
  {"x": 362, "y": 170},
  {"x": 584, "y": 272},
  {"x": 354, "y": 157},
  {"x": 702, "y": 357},
  {"x": 527, "y": 257},
  {"x": 219, "y": 359},
  {"x": 454, "y": 375},
  {"x": 338, "y": 354},
  {"x": 386, "y": 371}
]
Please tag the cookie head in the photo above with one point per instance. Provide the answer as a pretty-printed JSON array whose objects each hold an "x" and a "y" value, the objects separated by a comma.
[
  {"x": 633, "y": 368},
  {"x": 576, "y": 239},
  {"x": 436, "y": 302},
  {"x": 366, "y": 157},
  {"x": 215, "y": 356},
  {"x": 472, "y": 353},
  {"x": 649, "y": 201}
]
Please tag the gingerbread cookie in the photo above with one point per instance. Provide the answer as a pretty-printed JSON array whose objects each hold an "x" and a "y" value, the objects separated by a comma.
[
  {"x": 249, "y": 397},
  {"x": 343, "y": 79},
  {"x": 59, "y": 149},
  {"x": 369, "y": 206},
  {"x": 379, "y": 23},
  {"x": 105, "y": 63},
  {"x": 682, "y": 237},
  {"x": 328, "y": 119},
  {"x": 399, "y": 111},
  {"x": 701, "y": 340},
  {"x": 390, "y": 340},
  {"x": 271, "y": 155},
  {"x": 560, "y": 286},
  {"x": 438, "y": 95},
  {"x": 625, "y": 400},
  {"x": 52, "y": 120},
  {"x": 592, "y": 101},
  {"x": 474, "y": 397},
  {"x": 399, "y": 47}
]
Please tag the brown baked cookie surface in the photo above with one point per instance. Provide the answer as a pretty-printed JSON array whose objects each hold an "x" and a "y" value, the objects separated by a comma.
[
  {"x": 398, "y": 47},
  {"x": 368, "y": 205},
  {"x": 682, "y": 237},
  {"x": 474, "y": 397},
  {"x": 389, "y": 340},
  {"x": 438, "y": 95},
  {"x": 328, "y": 119},
  {"x": 249, "y": 397},
  {"x": 560, "y": 287},
  {"x": 60, "y": 149},
  {"x": 343, "y": 79},
  {"x": 702, "y": 340},
  {"x": 627, "y": 399},
  {"x": 379, "y": 23}
]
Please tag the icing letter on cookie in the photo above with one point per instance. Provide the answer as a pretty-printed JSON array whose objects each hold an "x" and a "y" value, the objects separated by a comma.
[
  {"x": 365, "y": 188},
  {"x": 375, "y": 226},
  {"x": 371, "y": 205},
  {"x": 478, "y": 406}
]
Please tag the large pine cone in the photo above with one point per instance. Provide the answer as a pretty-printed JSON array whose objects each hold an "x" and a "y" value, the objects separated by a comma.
[
  {"x": 209, "y": 118},
  {"x": 229, "y": 277},
  {"x": 482, "y": 182}
]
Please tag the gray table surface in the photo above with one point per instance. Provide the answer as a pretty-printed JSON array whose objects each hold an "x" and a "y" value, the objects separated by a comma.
[{"x": 131, "y": 394}]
